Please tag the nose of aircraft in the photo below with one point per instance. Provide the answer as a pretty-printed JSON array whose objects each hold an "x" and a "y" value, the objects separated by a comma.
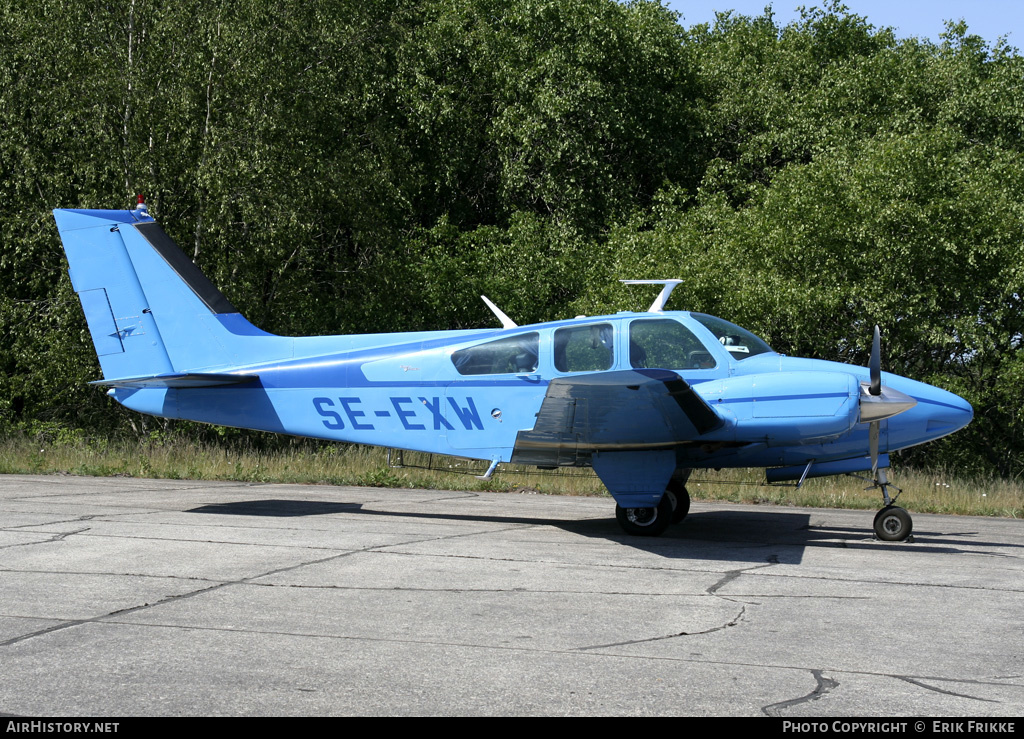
[{"x": 938, "y": 413}]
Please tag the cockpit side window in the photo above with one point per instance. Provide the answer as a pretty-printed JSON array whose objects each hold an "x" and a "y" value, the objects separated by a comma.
[
  {"x": 584, "y": 348},
  {"x": 740, "y": 343},
  {"x": 511, "y": 355},
  {"x": 666, "y": 344}
]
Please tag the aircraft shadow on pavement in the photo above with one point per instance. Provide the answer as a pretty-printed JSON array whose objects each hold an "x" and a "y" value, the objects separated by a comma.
[
  {"x": 748, "y": 536},
  {"x": 732, "y": 535},
  {"x": 277, "y": 508}
]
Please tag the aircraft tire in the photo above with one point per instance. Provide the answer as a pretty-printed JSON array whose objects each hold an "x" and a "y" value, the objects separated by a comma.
[
  {"x": 893, "y": 523},
  {"x": 645, "y": 521},
  {"x": 680, "y": 499}
]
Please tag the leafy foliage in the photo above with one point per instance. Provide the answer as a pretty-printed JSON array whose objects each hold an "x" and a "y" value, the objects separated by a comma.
[{"x": 348, "y": 167}]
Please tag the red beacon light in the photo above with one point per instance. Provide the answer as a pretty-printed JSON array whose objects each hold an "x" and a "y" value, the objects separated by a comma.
[{"x": 140, "y": 207}]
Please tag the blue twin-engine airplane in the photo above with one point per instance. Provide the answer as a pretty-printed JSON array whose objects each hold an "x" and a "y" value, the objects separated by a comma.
[{"x": 643, "y": 398}]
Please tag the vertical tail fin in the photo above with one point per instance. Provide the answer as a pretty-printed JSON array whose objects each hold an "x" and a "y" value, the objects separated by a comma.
[{"x": 149, "y": 309}]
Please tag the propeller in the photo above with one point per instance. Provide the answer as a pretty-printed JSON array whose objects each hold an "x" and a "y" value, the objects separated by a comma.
[
  {"x": 877, "y": 404},
  {"x": 875, "y": 390},
  {"x": 875, "y": 365}
]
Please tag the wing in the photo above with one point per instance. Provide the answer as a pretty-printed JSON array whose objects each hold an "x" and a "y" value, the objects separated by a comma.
[{"x": 626, "y": 410}]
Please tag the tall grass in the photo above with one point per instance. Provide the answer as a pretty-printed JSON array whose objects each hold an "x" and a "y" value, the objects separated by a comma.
[{"x": 250, "y": 459}]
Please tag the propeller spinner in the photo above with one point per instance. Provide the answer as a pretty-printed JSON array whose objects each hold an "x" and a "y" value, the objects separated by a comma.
[{"x": 878, "y": 403}]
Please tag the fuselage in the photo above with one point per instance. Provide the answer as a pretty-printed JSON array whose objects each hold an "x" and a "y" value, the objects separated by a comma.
[{"x": 471, "y": 393}]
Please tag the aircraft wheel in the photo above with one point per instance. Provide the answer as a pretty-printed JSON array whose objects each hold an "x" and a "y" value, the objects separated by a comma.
[
  {"x": 893, "y": 523},
  {"x": 680, "y": 499},
  {"x": 645, "y": 521}
]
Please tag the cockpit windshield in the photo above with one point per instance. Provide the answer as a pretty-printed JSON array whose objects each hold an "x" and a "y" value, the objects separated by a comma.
[{"x": 740, "y": 343}]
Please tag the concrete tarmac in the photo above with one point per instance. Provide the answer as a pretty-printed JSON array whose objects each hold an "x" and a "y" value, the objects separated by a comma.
[{"x": 122, "y": 596}]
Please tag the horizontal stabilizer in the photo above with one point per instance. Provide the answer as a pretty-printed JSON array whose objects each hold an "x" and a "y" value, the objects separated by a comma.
[{"x": 178, "y": 380}]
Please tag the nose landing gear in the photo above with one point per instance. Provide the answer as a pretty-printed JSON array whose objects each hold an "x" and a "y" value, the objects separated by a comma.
[{"x": 892, "y": 523}]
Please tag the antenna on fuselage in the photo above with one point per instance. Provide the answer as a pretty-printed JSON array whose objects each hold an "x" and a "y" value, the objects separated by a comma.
[
  {"x": 506, "y": 322},
  {"x": 658, "y": 305}
]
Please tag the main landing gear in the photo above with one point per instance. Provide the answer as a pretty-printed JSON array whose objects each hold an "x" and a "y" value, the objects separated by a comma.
[
  {"x": 672, "y": 508},
  {"x": 676, "y": 493}
]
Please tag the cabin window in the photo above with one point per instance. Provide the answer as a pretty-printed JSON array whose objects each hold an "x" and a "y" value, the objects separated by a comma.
[
  {"x": 740, "y": 343},
  {"x": 511, "y": 355},
  {"x": 584, "y": 348},
  {"x": 666, "y": 344}
]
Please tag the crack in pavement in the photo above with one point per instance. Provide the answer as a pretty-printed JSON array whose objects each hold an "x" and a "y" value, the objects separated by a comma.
[
  {"x": 145, "y": 606},
  {"x": 439, "y": 498},
  {"x": 920, "y": 684},
  {"x": 712, "y": 591},
  {"x": 731, "y": 575},
  {"x": 891, "y": 582},
  {"x": 824, "y": 686},
  {"x": 201, "y": 591},
  {"x": 76, "y": 519},
  {"x": 734, "y": 621},
  {"x": 53, "y": 538}
]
